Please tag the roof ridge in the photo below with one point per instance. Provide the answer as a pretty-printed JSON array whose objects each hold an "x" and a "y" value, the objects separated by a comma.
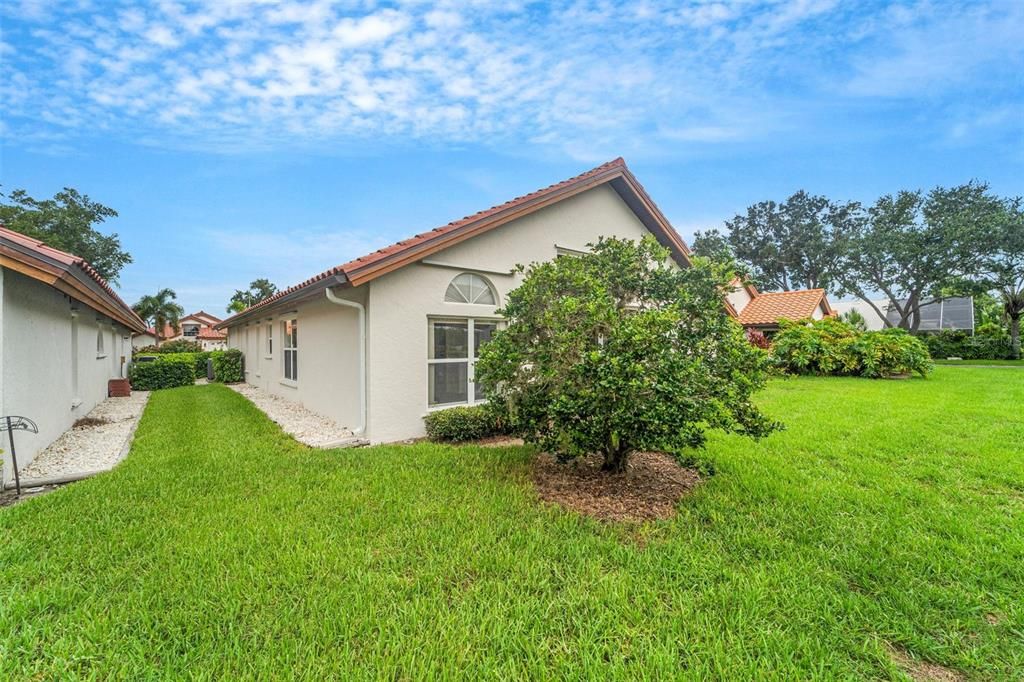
[
  {"x": 617, "y": 162},
  {"x": 75, "y": 260}
]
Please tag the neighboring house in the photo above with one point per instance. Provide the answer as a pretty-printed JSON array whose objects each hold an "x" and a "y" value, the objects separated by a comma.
[
  {"x": 949, "y": 313},
  {"x": 199, "y": 327},
  {"x": 763, "y": 310},
  {"x": 65, "y": 333},
  {"x": 378, "y": 342}
]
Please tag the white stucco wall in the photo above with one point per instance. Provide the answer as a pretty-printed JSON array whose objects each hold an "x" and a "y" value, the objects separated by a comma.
[
  {"x": 401, "y": 302},
  {"x": 874, "y": 321},
  {"x": 328, "y": 358},
  {"x": 399, "y": 305},
  {"x": 38, "y": 361},
  {"x": 739, "y": 299}
]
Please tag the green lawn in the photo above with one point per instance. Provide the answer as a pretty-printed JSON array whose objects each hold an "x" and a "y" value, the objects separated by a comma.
[{"x": 890, "y": 514}]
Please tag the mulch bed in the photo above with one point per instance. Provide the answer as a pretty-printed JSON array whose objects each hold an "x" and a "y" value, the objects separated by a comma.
[{"x": 649, "y": 488}]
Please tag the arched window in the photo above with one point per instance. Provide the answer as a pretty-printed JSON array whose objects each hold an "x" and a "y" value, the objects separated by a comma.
[{"x": 470, "y": 288}]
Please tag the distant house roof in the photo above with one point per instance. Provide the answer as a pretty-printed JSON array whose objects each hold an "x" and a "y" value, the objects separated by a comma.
[
  {"x": 206, "y": 328},
  {"x": 769, "y": 307},
  {"x": 389, "y": 258},
  {"x": 66, "y": 272},
  {"x": 203, "y": 316}
]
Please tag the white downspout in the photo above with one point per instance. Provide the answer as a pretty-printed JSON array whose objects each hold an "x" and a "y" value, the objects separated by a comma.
[{"x": 361, "y": 310}]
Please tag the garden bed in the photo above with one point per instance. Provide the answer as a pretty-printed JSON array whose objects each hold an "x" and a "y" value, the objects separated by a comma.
[
  {"x": 649, "y": 489},
  {"x": 96, "y": 442}
]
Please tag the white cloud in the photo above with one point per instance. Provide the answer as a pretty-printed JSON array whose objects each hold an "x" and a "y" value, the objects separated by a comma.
[{"x": 586, "y": 78}]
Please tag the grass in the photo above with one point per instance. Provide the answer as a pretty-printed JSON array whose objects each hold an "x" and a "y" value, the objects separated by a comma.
[
  {"x": 982, "y": 363},
  {"x": 889, "y": 516}
]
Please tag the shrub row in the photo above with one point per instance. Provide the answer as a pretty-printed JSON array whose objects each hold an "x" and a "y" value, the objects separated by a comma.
[
  {"x": 457, "y": 424},
  {"x": 833, "y": 347},
  {"x": 227, "y": 366},
  {"x": 164, "y": 372},
  {"x": 154, "y": 374},
  {"x": 176, "y": 346},
  {"x": 985, "y": 344}
]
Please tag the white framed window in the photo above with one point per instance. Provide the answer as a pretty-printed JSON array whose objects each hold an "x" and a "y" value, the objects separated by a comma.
[
  {"x": 470, "y": 288},
  {"x": 290, "y": 348},
  {"x": 453, "y": 345},
  {"x": 101, "y": 351},
  {"x": 270, "y": 340}
]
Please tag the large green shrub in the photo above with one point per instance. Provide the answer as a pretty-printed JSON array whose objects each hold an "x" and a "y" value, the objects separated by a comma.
[
  {"x": 816, "y": 347},
  {"x": 164, "y": 372},
  {"x": 833, "y": 347},
  {"x": 198, "y": 360},
  {"x": 227, "y": 366},
  {"x": 989, "y": 342},
  {"x": 891, "y": 352},
  {"x": 457, "y": 424},
  {"x": 618, "y": 351}
]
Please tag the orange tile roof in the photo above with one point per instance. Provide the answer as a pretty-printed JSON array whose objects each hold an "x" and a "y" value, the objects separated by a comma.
[
  {"x": 69, "y": 260},
  {"x": 770, "y": 307},
  {"x": 365, "y": 267}
]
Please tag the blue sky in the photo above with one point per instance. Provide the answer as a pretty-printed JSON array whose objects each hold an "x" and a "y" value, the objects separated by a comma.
[{"x": 246, "y": 138}]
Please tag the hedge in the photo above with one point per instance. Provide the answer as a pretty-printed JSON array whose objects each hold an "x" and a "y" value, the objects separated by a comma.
[
  {"x": 164, "y": 372},
  {"x": 833, "y": 347},
  {"x": 983, "y": 345},
  {"x": 457, "y": 424},
  {"x": 198, "y": 360},
  {"x": 227, "y": 366}
]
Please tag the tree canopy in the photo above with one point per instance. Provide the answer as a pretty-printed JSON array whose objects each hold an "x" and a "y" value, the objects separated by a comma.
[
  {"x": 619, "y": 350},
  {"x": 911, "y": 247},
  {"x": 259, "y": 290},
  {"x": 796, "y": 244},
  {"x": 66, "y": 222},
  {"x": 1004, "y": 267},
  {"x": 160, "y": 310},
  {"x": 916, "y": 248}
]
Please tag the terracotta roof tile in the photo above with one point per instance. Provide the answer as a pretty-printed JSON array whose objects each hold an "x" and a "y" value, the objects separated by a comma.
[
  {"x": 71, "y": 260},
  {"x": 769, "y": 308},
  {"x": 422, "y": 238}
]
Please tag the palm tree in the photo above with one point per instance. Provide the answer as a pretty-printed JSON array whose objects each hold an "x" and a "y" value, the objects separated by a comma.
[{"x": 160, "y": 310}]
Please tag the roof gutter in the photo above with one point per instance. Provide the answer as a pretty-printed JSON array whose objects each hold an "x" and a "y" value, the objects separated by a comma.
[{"x": 361, "y": 312}]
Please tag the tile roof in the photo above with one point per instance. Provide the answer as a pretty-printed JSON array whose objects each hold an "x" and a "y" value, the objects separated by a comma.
[
  {"x": 770, "y": 307},
  {"x": 361, "y": 267},
  {"x": 78, "y": 263}
]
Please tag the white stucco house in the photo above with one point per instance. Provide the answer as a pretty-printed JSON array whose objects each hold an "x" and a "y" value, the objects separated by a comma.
[
  {"x": 65, "y": 333},
  {"x": 378, "y": 342},
  {"x": 197, "y": 327}
]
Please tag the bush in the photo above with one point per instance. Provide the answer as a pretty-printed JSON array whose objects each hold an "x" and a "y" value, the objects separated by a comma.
[
  {"x": 816, "y": 347},
  {"x": 198, "y": 360},
  {"x": 757, "y": 338},
  {"x": 990, "y": 342},
  {"x": 890, "y": 352},
  {"x": 181, "y": 346},
  {"x": 163, "y": 372},
  {"x": 618, "y": 351},
  {"x": 834, "y": 347},
  {"x": 457, "y": 424},
  {"x": 227, "y": 366}
]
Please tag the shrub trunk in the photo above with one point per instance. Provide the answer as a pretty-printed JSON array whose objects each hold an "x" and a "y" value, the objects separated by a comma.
[{"x": 615, "y": 459}]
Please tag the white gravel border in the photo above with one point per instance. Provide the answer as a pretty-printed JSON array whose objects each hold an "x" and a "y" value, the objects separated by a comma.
[
  {"x": 303, "y": 424},
  {"x": 90, "y": 449}
]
